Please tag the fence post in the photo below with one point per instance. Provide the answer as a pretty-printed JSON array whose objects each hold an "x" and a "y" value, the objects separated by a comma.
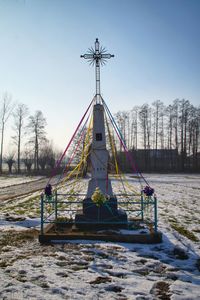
[
  {"x": 56, "y": 206},
  {"x": 155, "y": 215},
  {"x": 142, "y": 206},
  {"x": 42, "y": 213}
]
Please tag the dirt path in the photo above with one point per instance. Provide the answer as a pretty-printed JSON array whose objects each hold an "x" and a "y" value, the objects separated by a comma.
[{"x": 10, "y": 192}]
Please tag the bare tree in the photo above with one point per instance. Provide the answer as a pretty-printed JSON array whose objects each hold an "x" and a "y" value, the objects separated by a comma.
[
  {"x": 36, "y": 127},
  {"x": 175, "y": 107},
  {"x": 19, "y": 115},
  {"x": 28, "y": 159},
  {"x": 194, "y": 136},
  {"x": 52, "y": 154},
  {"x": 47, "y": 156},
  {"x": 162, "y": 121},
  {"x": 9, "y": 159},
  {"x": 170, "y": 136},
  {"x": 145, "y": 123},
  {"x": 134, "y": 128},
  {"x": 184, "y": 117},
  {"x": 5, "y": 112},
  {"x": 123, "y": 122},
  {"x": 158, "y": 125},
  {"x": 169, "y": 124}
]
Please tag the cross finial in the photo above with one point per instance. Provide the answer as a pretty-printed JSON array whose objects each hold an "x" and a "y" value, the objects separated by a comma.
[{"x": 97, "y": 56}]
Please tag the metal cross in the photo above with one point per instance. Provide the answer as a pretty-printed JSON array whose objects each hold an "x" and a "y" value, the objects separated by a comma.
[{"x": 97, "y": 56}]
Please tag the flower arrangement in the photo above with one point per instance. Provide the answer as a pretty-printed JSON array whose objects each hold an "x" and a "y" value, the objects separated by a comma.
[
  {"x": 98, "y": 197},
  {"x": 148, "y": 191}
]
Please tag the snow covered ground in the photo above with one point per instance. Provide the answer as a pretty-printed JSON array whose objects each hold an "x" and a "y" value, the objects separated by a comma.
[
  {"x": 100, "y": 270},
  {"x": 14, "y": 180}
]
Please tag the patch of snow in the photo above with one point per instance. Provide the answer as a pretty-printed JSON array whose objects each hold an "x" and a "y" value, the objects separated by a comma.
[
  {"x": 6, "y": 181},
  {"x": 94, "y": 270}
]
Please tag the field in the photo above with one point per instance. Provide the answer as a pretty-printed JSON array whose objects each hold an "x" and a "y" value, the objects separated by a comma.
[{"x": 99, "y": 270}]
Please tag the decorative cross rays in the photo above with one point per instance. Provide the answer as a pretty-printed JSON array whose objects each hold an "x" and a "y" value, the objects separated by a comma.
[{"x": 96, "y": 57}]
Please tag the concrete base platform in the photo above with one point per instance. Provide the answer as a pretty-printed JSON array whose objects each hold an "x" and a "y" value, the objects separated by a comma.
[
  {"x": 56, "y": 233},
  {"x": 107, "y": 214}
]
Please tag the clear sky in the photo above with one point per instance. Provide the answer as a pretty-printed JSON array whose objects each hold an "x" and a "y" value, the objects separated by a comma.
[{"x": 156, "y": 45}]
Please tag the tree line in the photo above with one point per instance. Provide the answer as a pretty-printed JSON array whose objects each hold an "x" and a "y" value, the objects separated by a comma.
[
  {"x": 162, "y": 137},
  {"x": 30, "y": 146},
  {"x": 159, "y": 137}
]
